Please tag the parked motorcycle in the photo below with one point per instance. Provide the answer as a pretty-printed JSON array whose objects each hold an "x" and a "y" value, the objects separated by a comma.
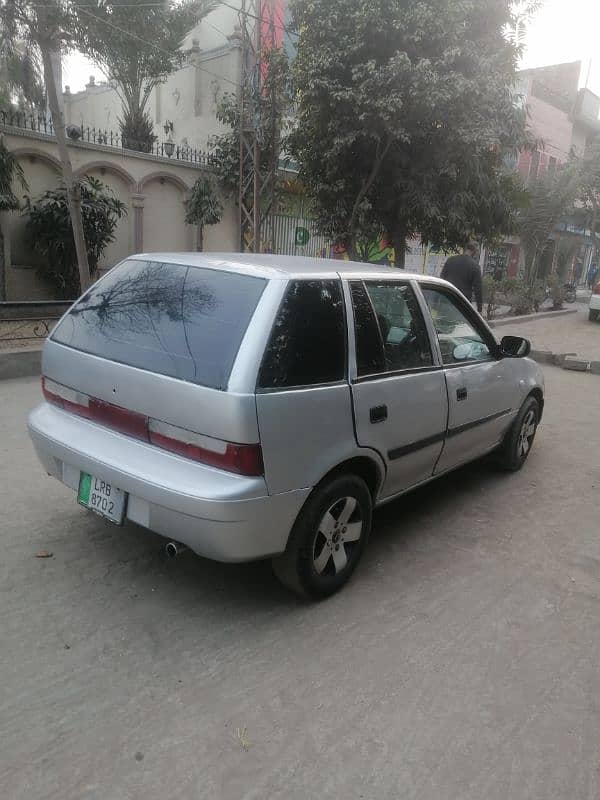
[{"x": 570, "y": 292}]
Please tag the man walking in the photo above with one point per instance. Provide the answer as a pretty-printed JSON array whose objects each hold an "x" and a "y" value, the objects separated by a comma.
[{"x": 464, "y": 273}]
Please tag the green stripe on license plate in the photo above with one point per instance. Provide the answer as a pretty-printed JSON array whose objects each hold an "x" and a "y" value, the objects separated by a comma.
[{"x": 85, "y": 484}]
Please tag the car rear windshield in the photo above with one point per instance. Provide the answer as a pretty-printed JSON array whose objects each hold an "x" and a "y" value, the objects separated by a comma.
[{"x": 183, "y": 321}]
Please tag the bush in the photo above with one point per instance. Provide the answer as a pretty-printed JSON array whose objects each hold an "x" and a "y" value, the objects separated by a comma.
[
  {"x": 490, "y": 295},
  {"x": 513, "y": 292},
  {"x": 521, "y": 297},
  {"x": 137, "y": 132},
  {"x": 51, "y": 234}
]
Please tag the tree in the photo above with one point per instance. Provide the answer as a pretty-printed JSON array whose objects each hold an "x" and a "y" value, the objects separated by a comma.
[
  {"x": 137, "y": 44},
  {"x": 50, "y": 231},
  {"x": 10, "y": 170},
  {"x": 203, "y": 208},
  {"x": 47, "y": 27},
  {"x": 21, "y": 83},
  {"x": 549, "y": 200},
  {"x": 405, "y": 117},
  {"x": 269, "y": 112},
  {"x": 589, "y": 192}
]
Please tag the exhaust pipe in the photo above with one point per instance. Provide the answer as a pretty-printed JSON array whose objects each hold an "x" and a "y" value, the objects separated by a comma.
[{"x": 174, "y": 549}]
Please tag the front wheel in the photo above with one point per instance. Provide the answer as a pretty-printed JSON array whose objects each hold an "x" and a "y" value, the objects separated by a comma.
[
  {"x": 519, "y": 440},
  {"x": 328, "y": 538}
]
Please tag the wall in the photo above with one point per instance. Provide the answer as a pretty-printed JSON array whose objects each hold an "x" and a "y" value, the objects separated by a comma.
[{"x": 154, "y": 190}]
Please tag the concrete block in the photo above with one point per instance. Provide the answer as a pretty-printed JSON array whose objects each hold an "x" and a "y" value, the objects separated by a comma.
[
  {"x": 559, "y": 358},
  {"x": 20, "y": 363},
  {"x": 542, "y": 356},
  {"x": 595, "y": 367},
  {"x": 577, "y": 364}
]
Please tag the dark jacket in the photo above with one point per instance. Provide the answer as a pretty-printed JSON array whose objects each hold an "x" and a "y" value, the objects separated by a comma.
[{"x": 464, "y": 273}]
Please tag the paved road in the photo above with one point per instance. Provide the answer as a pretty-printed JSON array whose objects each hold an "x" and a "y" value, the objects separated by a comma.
[
  {"x": 462, "y": 661},
  {"x": 571, "y": 333}
]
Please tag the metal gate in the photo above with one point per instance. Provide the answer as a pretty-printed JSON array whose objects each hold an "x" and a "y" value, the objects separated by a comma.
[{"x": 296, "y": 236}]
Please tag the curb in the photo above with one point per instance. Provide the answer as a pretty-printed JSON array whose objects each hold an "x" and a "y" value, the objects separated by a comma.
[
  {"x": 569, "y": 361},
  {"x": 498, "y": 323},
  {"x": 23, "y": 363}
]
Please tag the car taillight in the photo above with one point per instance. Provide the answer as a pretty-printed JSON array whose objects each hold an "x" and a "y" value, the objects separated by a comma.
[
  {"x": 69, "y": 399},
  {"x": 243, "y": 459},
  {"x": 121, "y": 419}
]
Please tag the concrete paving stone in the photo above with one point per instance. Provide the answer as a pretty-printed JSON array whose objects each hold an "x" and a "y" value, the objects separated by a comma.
[
  {"x": 542, "y": 356},
  {"x": 576, "y": 364}
]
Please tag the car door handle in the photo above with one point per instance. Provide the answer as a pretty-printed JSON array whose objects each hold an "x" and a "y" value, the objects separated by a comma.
[
  {"x": 378, "y": 414},
  {"x": 461, "y": 394}
]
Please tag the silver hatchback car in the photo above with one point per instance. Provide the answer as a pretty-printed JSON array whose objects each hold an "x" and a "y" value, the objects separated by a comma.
[{"x": 253, "y": 406}]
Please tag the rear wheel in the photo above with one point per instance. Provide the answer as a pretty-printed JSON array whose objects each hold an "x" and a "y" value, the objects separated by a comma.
[
  {"x": 519, "y": 439},
  {"x": 593, "y": 314},
  {"x": 328, "y": 538}
]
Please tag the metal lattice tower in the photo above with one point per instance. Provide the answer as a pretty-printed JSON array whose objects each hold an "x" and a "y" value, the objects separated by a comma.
[{"x": 258, "y": 161}]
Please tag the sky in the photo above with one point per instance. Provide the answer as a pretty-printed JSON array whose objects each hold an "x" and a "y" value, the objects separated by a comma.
[
  {"x": 563, "y": 30},
  {"x": 566, "y": 30}
]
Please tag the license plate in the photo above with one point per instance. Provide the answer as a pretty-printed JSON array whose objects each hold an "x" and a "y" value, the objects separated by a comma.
[{"x": 102, "y": 498}]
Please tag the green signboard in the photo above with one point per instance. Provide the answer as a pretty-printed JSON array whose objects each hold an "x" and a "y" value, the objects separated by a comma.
[{"x": 302, "y": 237}]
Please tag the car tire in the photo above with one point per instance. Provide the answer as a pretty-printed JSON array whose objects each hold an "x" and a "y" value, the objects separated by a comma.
[
  {"x": 328, "y": 538},
  {"x": 519, "y": 439},
  {"x": 593, "y": 314}
]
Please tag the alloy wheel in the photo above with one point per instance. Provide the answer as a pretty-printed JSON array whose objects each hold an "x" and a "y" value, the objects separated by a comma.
[
  {"x": 526, "y": 434},
  {"x": 337, "y": 536}
]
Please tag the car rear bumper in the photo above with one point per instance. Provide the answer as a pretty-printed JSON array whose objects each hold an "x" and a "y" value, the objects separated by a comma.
[
  {"x": 218, "y": 515},
  {"x": 595, "y": 302}
]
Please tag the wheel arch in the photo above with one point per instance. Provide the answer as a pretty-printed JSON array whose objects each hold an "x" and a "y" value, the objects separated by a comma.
[
  {"x": 538, "y": 395},
  {"x": 364, "y": 466}
]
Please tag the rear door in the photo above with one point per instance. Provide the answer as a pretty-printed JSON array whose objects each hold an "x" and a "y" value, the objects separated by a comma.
[
  {"x": 481, "y": 390},
  {"x": 398, "y": 389}
]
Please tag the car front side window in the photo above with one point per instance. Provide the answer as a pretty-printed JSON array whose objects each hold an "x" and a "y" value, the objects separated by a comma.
[
  {"x": 459, "y": 339},
  {"x": 389, "y": 328}
]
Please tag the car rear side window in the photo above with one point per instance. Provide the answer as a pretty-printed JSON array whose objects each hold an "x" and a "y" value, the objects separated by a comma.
[
  {"x": 182, "y": 321},
  {"x": 390, "y": 331},
  {"x": 308, "y": 341}
]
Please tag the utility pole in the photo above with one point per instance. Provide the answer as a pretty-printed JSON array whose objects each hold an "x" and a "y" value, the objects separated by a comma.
[{"x": 258, "y": 162}]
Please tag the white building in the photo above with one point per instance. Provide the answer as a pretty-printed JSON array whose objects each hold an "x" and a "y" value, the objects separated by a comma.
[{"x": 188, "y": 98}]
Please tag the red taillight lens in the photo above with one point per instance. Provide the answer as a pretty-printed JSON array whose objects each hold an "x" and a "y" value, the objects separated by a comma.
[
  {"x": 244, "y": 459},
  {"x": 69, "y": 399},
  {"x": 121, "y": 419}
]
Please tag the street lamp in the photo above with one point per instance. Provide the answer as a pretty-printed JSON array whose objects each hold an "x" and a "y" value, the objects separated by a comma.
[{"x": 169, "y": 145}]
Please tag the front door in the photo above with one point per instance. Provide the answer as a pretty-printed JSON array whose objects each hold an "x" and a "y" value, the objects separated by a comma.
[
  {"x": 399, "y": 396},
  {"x": 480, "y": 390}
]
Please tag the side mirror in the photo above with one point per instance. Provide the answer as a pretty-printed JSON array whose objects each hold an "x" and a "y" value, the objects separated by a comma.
[{"x": 515, "y": 347}]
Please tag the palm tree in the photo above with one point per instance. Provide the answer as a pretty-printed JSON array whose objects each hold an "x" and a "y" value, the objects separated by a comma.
[
  {"x": 10, "y": 170},
  {"x": 549, "y": 200},
  {"x": 21, "y": 83}
]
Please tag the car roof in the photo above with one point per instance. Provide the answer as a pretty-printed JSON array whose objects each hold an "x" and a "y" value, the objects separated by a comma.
[{"x": 273, "y": 266}]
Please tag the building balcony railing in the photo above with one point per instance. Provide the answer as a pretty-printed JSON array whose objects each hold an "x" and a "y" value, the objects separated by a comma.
[{"x": 41, "y": 123}]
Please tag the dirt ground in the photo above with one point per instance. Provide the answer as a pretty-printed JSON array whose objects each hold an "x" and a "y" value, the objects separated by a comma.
[{"x": 460, "y": 662}]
